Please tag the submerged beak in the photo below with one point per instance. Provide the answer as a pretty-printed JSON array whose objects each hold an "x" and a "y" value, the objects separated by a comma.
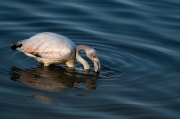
[{"x": 97, "y": 65}]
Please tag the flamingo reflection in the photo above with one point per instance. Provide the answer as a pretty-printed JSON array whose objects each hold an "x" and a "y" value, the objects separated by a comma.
[{"x": 53, "y": 79}]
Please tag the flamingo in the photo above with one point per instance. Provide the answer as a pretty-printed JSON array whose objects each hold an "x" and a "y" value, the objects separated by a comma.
[{"x": 51, "y": 48}]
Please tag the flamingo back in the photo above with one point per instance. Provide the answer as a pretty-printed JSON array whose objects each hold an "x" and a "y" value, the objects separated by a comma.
[{"x": 47, "y": 45}]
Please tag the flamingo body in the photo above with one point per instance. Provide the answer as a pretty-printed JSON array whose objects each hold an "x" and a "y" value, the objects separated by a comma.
[
  {"x": 48, "y": 48},
  {"x": 51, "y": 48}
]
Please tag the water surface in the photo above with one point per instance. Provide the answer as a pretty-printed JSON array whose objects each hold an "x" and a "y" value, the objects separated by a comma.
[{"x": 138, "y": 46}]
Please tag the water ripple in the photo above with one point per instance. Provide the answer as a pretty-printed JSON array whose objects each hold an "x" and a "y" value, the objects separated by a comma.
[{"x": 138, "y": 46}]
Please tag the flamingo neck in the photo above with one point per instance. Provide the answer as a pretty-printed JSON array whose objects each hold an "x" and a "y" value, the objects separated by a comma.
[{"x": 79, "y": 58}]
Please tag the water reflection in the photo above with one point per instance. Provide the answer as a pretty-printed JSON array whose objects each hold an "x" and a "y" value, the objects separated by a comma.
[
  {"x": 43, "y": 98},
  {"x": 53, "y": 79}
]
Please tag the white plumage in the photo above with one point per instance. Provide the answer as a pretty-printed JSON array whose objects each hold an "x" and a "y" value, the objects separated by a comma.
[{"x": 51, "y": 48}]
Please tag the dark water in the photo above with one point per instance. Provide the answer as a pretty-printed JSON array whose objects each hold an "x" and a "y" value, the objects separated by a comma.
[{"x": 138, "y": 45}]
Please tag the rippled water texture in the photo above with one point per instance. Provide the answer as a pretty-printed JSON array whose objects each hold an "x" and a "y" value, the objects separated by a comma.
[{"x": 138, "y": 45}]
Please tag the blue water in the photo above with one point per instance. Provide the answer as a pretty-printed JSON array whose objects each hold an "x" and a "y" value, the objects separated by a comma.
[{"x": 137, "y": 41}]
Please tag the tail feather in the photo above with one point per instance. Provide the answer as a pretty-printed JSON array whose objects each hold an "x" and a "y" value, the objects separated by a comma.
[{"x": 16, "y": 45}]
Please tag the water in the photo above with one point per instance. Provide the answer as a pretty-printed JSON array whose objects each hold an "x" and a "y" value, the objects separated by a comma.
[{"x": 138, "y": 46}]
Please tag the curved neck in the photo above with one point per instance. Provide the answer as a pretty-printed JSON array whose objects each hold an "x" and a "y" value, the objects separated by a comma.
[{"x": 79, "y": 58}]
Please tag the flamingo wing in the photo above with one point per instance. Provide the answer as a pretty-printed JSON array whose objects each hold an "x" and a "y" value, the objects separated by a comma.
[{"x": 46, "y": 45}]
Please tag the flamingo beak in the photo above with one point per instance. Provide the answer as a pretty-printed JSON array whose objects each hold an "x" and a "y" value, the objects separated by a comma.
[{"x": 97, "y": 65}]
